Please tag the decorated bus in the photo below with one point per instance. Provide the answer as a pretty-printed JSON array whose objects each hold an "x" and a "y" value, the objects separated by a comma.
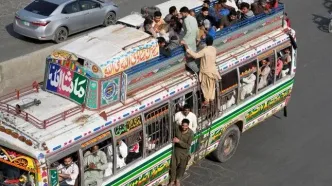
[{"x": 112, "y": 86}]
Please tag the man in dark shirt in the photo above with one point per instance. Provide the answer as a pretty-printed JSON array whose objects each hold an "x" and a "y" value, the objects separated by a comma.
[
  {"x": 172, "y": 12},
  {"x": 183, "y": 136},
  {"x": 162, "y": 47},
  {"x": 205, "y": 15}
]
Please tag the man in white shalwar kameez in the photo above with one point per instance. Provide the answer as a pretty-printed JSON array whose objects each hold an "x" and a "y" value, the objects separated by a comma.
[
  {"x": 122, "y": 153},
  {"x": 230, "y": 101},
  {"x": 248, "y": 85},
  {"x": 264, "y": 72},
  {"x": 95, "y": 162}
]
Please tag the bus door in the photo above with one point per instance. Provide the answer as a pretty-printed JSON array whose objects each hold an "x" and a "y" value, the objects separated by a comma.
[
  {"x": 205, "y": 115},
  {"x": 177, "y": 106}
]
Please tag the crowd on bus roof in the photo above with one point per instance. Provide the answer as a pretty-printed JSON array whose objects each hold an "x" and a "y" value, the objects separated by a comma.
[
  {"x": 197, "y": 31},
  {"x": 178, "y": 24}
]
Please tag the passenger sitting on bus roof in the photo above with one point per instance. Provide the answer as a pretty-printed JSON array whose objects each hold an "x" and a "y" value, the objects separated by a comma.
[
  {"x": 205, "y": 30},
  {"x": 162, "y": 47},
  {"x": 68, "y": 172},
  {"x": 222, "y": 9},
  {"x": 174, "y": 43},
  {"x": 232, "y": 3},
  {"x": 183, "y": 137},
  {"x": 264, "y": 72},
  {"x": 190, "y": 28},
  {"x": 246, "y": 13},
  {"x": 158, "y": 22},
  {"x": 208, "y": 74},
  {"x": 186, "y": 114},
  {"x": 273, "y": 4},
  {"x": 248, "y": 85},
  {"x": 287, "y": 62},
  {"x": 229, "y": 20},
  {"x": 171, "y": 12},
  {"x": 147, "y": 27},
  {"x": 230, "y": 100},
  {"x": 175, "y": 27},
  {"x": 95, "y": 162},
  {"x": 207, "y": 4},
  {"x": 280, "y": 65},
  {"x": 203, "y": 15},
  {"x": 239, "y": 2},
  {"x": 260, "y": 7}
]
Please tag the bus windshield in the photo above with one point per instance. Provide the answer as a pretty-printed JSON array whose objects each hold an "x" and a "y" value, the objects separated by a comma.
[{"x": 16, "y": 168}]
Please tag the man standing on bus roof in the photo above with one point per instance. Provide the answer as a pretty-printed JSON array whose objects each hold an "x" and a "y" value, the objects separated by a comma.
[
  {"x": 183, "y": 136},
  {"x": 186, "y": 114},
  {"x": 95, "y": 162},
  {"x": 190, "y": 28},
  {"x": 208, "y": 73},
  {"x": 68, "y": 172}
]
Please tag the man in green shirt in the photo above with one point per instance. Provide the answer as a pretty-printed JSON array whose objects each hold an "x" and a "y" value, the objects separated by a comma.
[{"x": 183, "y": 136}]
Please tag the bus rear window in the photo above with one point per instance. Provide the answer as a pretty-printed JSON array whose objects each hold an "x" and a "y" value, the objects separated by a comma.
[{"x": 41, "y": 7}]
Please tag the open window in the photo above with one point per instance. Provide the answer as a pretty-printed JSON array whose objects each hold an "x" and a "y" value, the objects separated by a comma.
[
  {"x": 266, "y": 70},
  {"x": 15, "y": 166},
  {"x": 284, "y": 62},
  {"x": 228, "y": 84},
  {"x": 67, "y": 170},
  {"x": 129, "y": 141},
  {"x": 248, "y": 80},
  {"x": 98, "y": 158},
  {"x": 157, "y": 127}
]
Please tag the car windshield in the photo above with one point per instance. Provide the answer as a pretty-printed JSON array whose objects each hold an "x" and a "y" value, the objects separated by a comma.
[{"x": 41, "y": 7}]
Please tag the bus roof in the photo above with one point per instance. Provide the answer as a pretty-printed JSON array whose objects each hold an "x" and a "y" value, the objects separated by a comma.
[
  {"x": 75, "y": 127},
  {"x": 136, "y": 19},
  {"x": 102, "y": 45}
]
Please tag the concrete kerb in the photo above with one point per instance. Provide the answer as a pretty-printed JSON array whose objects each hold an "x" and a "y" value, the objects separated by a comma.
[{"x": 22, "y": 71}]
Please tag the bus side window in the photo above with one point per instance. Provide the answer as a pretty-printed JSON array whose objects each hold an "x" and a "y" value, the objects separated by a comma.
[
  {"x": 228, "y": 89},
  {"x": 129, "y": 141},
  {"x": 98, "y": 159},
  {"x": 157, "y": 127},
  {"x": 284, "y": 62},
  {"x": 266, "y": 71},
  {"x": 68, "y": 165},
  {"x": 248, "y": 79}
]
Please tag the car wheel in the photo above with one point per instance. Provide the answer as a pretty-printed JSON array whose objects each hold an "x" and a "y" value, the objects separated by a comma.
[
  {"x": 228, "y": 144},
  {"x": 110, "y": 19},
  {"x": 61, "y": 35}
]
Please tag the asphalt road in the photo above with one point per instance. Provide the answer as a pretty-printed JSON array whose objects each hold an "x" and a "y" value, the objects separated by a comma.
[
  {"x": 293, "y": 151},
  {"x": 13, "y": 45}
]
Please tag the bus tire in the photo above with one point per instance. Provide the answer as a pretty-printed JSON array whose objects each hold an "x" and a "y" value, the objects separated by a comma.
[{"x": 228, "y": 144}]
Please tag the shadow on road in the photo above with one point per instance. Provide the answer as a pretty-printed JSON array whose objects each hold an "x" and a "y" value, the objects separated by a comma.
[{"x": 322, "y": 22}]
